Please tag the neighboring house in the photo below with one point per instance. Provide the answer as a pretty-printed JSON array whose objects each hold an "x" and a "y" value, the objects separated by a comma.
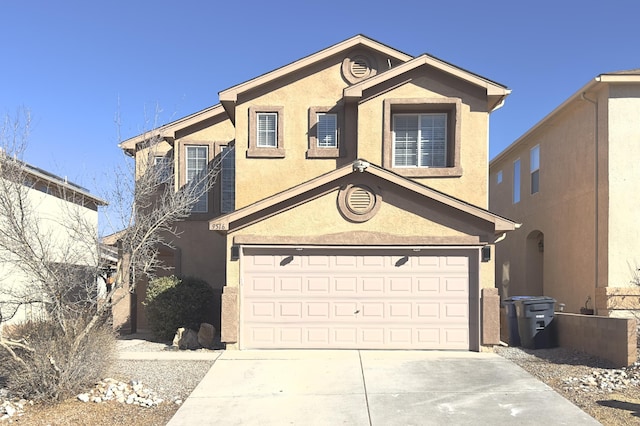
[
  {"x": 572, "y": 181},
  {"x": 51, "y": 202},
  {"x": 353, "y": 212}
]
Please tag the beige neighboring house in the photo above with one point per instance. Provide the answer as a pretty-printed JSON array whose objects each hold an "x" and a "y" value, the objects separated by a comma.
[
  {"x": 53, "y": 200},
  {"x": 572, "y": 181},
  {"x": 351, "y": 211}
]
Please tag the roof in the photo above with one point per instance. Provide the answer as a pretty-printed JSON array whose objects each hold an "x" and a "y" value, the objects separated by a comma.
[
  {"x": 616, "y": 77},
  {"x": 229, "y": 96},
  {"x": 49, "y": 178},
  {"x": 225, "y": 223},
  {"x": 169, "y": 130},
  {"x": 495, "y": 91}
]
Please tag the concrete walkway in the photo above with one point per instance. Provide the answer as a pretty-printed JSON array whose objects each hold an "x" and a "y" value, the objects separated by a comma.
[{"x": 372, "y": 388}]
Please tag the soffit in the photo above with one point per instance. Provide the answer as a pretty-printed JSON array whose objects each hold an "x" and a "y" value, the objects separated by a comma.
[
  {"x": 229, "y": 97},
  {"x": 168, "y": 131},
  {"x": 496, "y": 93}
]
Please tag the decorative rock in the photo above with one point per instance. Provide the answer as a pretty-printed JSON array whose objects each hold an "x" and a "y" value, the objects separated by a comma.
[
  {"x": 206, "y": 335},
  {"x": 186, "y": 338},
  {"x": 84, "y": 397}
]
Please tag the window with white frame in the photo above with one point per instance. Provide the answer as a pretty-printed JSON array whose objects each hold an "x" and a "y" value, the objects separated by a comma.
[
  {"x": 228, "y": 179},
  {"x": 534, "y": 157},
  {"x": 499, "y": 177},
  {"x": 516, "y": 181},
  {"x": 327, "y": 130},
  {"x": 267, "y": 136},
  {"x": 163, "y": 165},
  {"x": 266, "y": 139},
  {"x": 196, "y": 169},
  {"x": 420, "y": 140}
]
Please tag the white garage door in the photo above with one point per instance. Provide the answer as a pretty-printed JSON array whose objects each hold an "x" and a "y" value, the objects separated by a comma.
[{"x": 348, "y": 299}]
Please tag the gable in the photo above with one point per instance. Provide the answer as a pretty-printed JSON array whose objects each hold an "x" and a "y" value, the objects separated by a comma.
[{"x": 406, "y": 211}]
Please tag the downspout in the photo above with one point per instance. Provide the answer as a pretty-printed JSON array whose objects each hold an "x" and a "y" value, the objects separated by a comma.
[{"x": 597, "y": 181}]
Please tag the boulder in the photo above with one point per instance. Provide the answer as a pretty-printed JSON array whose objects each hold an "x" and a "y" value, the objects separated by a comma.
[
  {"x": 206, "y": 335},
  {"x": 186, "y": 338}
]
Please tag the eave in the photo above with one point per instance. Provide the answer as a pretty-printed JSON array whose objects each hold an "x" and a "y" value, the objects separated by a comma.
[
  {"x": 496, "y": 93},
  {"x": 229, "y": 97},
  {"x": 229, "y": 222}
]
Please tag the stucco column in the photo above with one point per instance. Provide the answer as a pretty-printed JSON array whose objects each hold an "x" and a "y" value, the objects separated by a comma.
[
  {"x": 490, "y": 313},
  {"x": 230, "y": 315}
]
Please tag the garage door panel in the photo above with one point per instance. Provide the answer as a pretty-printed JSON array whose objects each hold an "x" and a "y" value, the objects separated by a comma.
[{"x": 355, "y": 301}]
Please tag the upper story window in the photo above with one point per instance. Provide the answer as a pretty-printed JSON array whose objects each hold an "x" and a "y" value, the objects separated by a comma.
[
  {"x": 422, "y": 136},
  {"x": 228, "y": 179},
  {"x": 327, "y": 134},
  {"x": 420, "y": 140},
  {"x": 499, "y": 177},
  {"x": 267, "y": 135},
  {"x": 266, "y": 138},
  {"x": 163, "y": 166},
  {"x": 534, "y": 162},
  {"x": 516, "y": 181},
  {"x": 324, "y": 132},
  {"x": 197, "y": 158}
]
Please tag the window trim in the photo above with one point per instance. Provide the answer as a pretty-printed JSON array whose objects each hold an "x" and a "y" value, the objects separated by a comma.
[
  {"x": 452, "y": 107},
  {"x": 263, "y": 151},
  {"x": 534, "y": 173},
  {"x": 314, "y": 151},
  {"x": 163, "y": 165},
  {"x": 186, "y": 173}
]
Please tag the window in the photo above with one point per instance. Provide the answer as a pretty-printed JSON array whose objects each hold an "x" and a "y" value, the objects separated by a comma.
[
  {"x": 534, "y": 164},
  {"x": 266, "y": 132},
  {"x": 422, "y": 136},
  {"x": 324, "y": 132},
  {"x": 228, "y": 178},
  {"x": 267, "y": 129},
  {"x": 516, "y": 181},
  {"x": 499, "y": 177},
  {"x": 420, "y": 140},
  {"x": 163, "y": 165},
  {"x": 327, "y": 130},
  {"x": 196, "y": 170}
]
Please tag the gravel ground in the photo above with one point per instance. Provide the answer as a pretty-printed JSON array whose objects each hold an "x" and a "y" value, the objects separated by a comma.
[
  {"x": 611, "y": 396},
  {"x": 172, "y": 381}
]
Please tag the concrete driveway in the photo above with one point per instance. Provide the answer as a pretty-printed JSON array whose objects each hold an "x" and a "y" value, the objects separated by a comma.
[{"x": 351, "y": 387}]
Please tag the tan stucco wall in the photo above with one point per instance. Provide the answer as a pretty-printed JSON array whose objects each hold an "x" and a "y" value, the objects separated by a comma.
[
  {"x": 623, "y": 176},
  {"x": 322, "y": 88},
  {"x": 472, "y": 185},
  {"x": 563, "y": 210}
]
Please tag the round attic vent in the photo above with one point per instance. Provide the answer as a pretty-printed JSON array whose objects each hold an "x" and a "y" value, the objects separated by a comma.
[
  {"x": 360, "y": 200},
  {"x": 358, "y": 65},
  {"x": 358, "y": 203}
]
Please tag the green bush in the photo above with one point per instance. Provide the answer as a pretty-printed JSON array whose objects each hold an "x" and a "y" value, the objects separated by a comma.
[
  {"x": 54, "y": 367},
  {"x": 173, "y": 302}
]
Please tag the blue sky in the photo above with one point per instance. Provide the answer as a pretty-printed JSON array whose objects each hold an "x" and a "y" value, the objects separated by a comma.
[{"x": 76, "y": 65}]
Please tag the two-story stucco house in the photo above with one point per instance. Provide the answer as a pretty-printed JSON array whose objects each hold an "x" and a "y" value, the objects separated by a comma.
[
  {"x": 571, "y": 180},
  {"x": 353, "y": 211}
]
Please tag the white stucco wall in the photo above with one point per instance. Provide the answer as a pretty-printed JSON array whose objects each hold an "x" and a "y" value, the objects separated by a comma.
[{"x": 55, "y": 219}]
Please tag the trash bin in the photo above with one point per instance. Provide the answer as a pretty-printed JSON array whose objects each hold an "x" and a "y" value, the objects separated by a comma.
[
  {"x": 535, "y": 322},
  {"x": 512, "y": 318}
]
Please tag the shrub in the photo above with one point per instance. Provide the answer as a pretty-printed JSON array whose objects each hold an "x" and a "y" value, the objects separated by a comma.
[
  {"x": 54, "y": 368},
  {"x": 173, "y": 302}
]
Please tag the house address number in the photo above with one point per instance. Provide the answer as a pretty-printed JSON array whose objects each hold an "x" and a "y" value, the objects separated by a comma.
[{"x": 218, "y": 227}]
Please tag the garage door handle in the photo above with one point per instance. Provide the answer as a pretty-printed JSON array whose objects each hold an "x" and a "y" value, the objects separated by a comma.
[{"x": 357, "y": 312}]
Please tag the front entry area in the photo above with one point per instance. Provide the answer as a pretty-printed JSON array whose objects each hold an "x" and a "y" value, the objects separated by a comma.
[{"x": 365, "y": 298}]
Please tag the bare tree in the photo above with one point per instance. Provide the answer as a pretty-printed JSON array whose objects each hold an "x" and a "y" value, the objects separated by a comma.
[{"x": 53, "y": 261}]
